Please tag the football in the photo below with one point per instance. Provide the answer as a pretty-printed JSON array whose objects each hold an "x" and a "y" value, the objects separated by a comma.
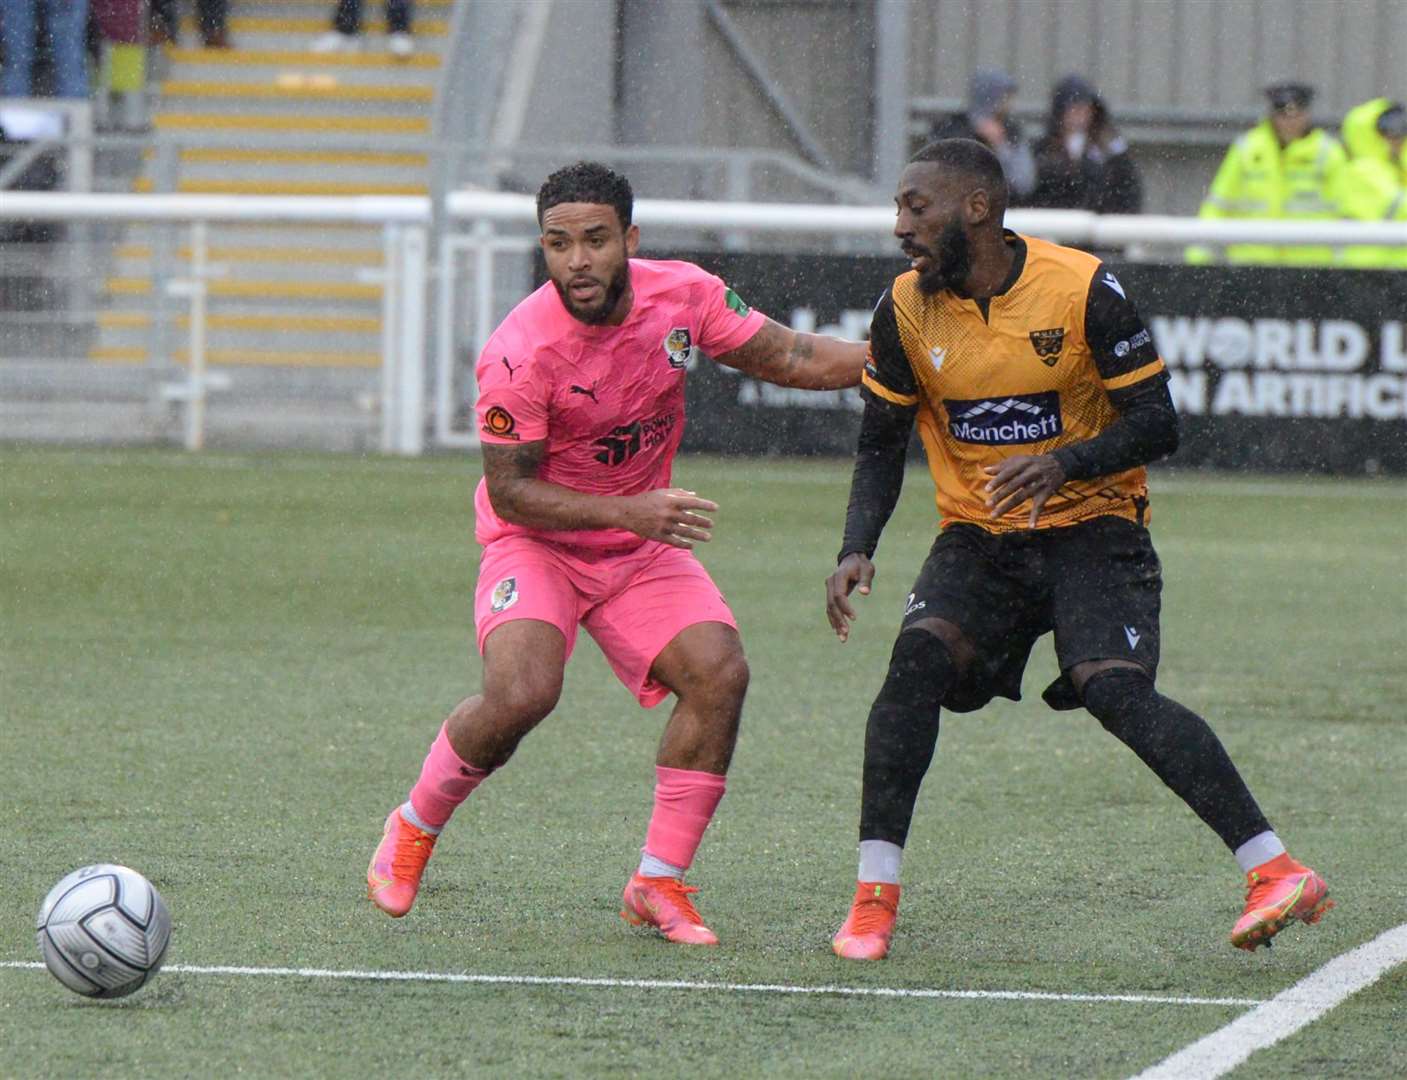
[{"x": 103, "y": 931}]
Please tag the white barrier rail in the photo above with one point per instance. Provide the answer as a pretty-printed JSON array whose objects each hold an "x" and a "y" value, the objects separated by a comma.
[
  {"x": 362, "y": 209},
  {"x": 402, "y": 276},
  {"x": 405, "y": 221},
  {"x": 1066, "y": 226}
]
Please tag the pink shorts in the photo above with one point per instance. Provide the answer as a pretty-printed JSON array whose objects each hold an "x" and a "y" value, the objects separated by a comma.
[{"x": 632, "y": 604}]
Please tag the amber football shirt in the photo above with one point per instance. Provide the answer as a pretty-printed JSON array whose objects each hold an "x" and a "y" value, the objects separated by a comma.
[{"x": 1038, "y": 366}]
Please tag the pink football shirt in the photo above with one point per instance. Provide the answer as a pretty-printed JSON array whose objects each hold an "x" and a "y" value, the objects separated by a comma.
[{"x": 609, "y": 400}]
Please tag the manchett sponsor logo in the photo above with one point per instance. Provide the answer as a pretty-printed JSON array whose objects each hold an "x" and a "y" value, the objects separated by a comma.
[{"x": 1021, "y": 418}]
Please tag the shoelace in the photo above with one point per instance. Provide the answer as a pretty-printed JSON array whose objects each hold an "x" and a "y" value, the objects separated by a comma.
[
  {"x": 678, "y": 894},
  {"x": 872, "y": 916},
  {"x": 412, "y": 849}
]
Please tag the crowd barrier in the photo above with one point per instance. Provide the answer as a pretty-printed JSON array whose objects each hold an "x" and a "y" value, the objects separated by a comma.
[{"x": 1272, "y": 368}]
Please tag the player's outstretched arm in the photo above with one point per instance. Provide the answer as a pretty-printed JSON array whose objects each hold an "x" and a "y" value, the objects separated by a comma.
[
  {"x": 874, "y": 491},
  {"x": 781, "y": 355},
  {"x": 671, "y": 515}
]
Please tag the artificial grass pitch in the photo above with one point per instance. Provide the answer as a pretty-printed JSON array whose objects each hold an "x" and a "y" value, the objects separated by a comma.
[{"x": 223, "y": 671}]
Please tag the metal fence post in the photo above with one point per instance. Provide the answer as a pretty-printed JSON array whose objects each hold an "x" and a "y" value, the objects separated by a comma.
[
  {"x": 390, "y": 335},
  {"x": 195, "y": 403},
  {"x": 410, "y": 396}
]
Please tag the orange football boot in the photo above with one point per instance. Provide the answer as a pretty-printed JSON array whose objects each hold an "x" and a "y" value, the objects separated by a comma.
[
  {"x": 397, "y": 865},
  {"x": 867, "y": 929},
  {"x": 1276, "y": 892},
  {"x": 663, "y": 902}
]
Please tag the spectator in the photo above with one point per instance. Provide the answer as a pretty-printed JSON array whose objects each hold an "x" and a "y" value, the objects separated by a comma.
[
  {"x": 346, "y": 28},
  {"x": 211, "y": 17},
  {"x": 1361, "y": 136},
  {"x": 66, "y": 30},
  {"x": 1375, "y": 180},
  {"x": 1284, "y": 167},
  {"x": 1082, "y": 162},
  {"x": 988, "y": 120}
]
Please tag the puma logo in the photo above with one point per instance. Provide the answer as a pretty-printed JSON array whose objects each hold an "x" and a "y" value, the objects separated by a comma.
[
  {"x": 510, "y": 367},
  {"x": 584, "y": 392}
]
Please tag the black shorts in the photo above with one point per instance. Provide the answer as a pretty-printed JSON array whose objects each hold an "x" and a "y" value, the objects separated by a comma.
[{"x": 1097, "y": 584}]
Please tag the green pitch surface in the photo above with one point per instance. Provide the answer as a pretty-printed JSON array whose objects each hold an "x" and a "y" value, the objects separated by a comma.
[{"x": 223, "y": 671}]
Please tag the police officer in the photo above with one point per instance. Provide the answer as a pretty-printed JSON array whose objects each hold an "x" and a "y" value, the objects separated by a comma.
[
  {"x": 1373, "y": 181},
  {"x": 1283, "y": 168},
  {"x": 1361, "y": 135}
]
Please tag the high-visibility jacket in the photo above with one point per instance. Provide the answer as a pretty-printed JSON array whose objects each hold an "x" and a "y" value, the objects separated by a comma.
[
  {"x": 1361, "y": 137},
  {"x": 1259, "y": 179},
  {"x": 1372, "y": 189}
]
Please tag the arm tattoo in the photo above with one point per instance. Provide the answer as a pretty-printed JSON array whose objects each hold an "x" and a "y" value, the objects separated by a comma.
[
  {"x": 773, "y": 354},
  {"x": 506, "y": 465}
]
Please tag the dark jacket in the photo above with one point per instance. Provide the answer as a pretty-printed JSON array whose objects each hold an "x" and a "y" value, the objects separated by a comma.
[{"x": 1101, "y": 175}]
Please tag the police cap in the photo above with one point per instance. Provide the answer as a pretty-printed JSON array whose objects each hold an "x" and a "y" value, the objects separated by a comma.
[{"x": 1289, "y": 95}]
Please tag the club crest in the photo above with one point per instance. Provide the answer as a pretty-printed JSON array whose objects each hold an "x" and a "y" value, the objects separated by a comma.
[
  {"x": 1048, "y": 344},
  {"x": 505, "y": 595},
  {"x": 679, "y": 346}
]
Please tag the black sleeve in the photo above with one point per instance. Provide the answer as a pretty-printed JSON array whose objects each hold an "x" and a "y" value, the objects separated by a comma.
[
  {"x": 879, "y": 473},
  {"x": 891, "y": 396},
  {"x": 1121, "y": 344},
  {"x": 887, "y": 369},
  {"x": 1123, "y": 350},
  {"x": 1146, "y": 430}
]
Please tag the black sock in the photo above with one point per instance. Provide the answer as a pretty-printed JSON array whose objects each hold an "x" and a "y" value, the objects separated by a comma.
[
  {"x": 902, "y": 734},
  {"x": 1180, "y": 747}
]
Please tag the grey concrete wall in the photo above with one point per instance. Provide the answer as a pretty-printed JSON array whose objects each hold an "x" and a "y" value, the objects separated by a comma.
[
  {"x": 1195, "y": 54},
  {"x": 652, "y": 73}
]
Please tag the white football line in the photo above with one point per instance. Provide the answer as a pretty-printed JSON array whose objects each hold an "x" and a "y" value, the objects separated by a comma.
[
  {"x": 1285, "y": 1013},
  {"x": 676, "y": 984}
]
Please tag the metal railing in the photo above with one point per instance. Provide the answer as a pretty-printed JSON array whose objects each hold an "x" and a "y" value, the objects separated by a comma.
[
  {"x": 42, "y": 126},
  {"x": 484, "y": 228},
  {"x": 402, "y": 277}
]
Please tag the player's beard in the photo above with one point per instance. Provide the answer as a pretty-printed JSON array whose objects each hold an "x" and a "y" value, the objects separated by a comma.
[
  {"x": 950, "y": 262},
  {"x": 599, "y": 313}
]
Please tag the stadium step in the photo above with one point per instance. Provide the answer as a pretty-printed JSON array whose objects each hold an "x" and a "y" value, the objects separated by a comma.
[
  {"x": 354, "y": 256},
  {"x": 321, "y": 241},
  {"x": 252, "y": 333},
  {"x": 320, "y": 324},
  {"x": 285, "y": 187},
  {"x": 313, "y": 20},
  {"x": 344, "y": 125},
  {"x": 217, "y": 357},
  {"x": 271, "y": 117},
  {"x": 270, "y": 290},
  {"x": 261, "y": 265},
  {"x": 301, "y": 98},
  {"x": 308, "y": 172},
  {"x": 250, "y": 61},
  {"x": 298, "y": 68}
]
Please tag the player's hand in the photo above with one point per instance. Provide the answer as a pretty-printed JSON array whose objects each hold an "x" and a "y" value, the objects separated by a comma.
[
  {"x": 670, "y": 515},
  {"x": 1025, "y": 476},
  {"x": 854, "y": 571}
]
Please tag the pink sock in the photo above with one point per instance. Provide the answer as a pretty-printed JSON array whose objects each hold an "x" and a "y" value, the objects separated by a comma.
[
  {"x": 684, "y": 804},
  {"x": 445, "y": 781}
]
